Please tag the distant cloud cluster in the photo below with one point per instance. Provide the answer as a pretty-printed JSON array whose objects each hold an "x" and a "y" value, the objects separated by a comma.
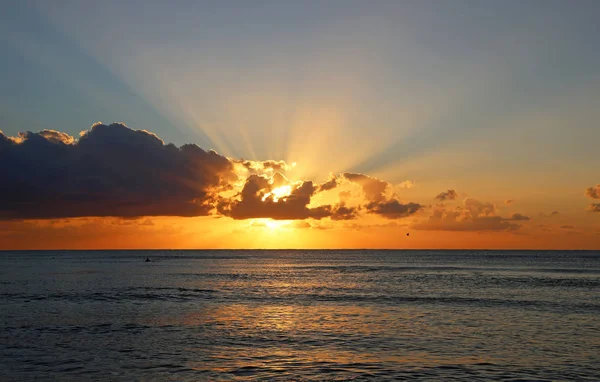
[
  {"x": 473, "y": 215},
  {"x": 593, "y": 193},
  {"x": 551, "y": 214}
]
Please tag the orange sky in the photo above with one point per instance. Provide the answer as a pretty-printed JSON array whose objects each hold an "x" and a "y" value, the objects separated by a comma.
[{"x": 211, "y": 201}]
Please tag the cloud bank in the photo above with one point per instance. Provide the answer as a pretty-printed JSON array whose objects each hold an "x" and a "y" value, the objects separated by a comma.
[
  {"x": 112, "y": 170},
  {"x": 109, "y": 171}
]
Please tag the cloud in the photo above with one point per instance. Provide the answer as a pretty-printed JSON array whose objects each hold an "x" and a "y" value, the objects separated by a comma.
[
  {"x": 509, "y": 202},
  {"x": 112, "y": 170},
  {"x": 472, "y": 216},
  {"x": 551, "y": 214},
  {"x": 259, "y": 167},
  {"x": 593, "y": 192},
  {"x": 406, "y": 184},
  {"x": 258, "y": 200},
  {"x": 342, "y": 212},
  {"x": 567, "y": 227},
  {"x": 109, "y": 171},
  {"x": 393, "y": 209},
  {"x": 373, "y": 188},
  {"x": 57, "y": 136},
  {"x": 358, "y": 227},
  {"x": 519, "y": 217},
  {"x": 594, "y": 207},
  {"x": 447, "y": 195},
  {"x": 330, "y": 184}
]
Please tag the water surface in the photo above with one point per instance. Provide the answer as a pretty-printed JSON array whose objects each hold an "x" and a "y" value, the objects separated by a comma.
[{"x": 316, "y": 315}]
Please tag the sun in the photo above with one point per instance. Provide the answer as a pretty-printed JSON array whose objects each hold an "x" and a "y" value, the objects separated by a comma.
[
  {"x": 278, "y": 193},
  {"x": 275, "y": 224}
]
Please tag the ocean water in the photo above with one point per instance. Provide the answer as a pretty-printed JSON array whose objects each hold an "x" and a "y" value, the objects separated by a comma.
[{"x": 299, "y": 315}]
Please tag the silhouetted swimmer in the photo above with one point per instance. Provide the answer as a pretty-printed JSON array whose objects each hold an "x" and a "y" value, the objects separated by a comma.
[{"x": 147, "y": 260}]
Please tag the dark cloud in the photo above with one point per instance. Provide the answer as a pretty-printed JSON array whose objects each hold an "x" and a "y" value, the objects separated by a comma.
[
  {"x": 519, "y": 217},
  {"x": 593, "y": 192},
  {"x": 509, "y": 202},
  {"x": 373, "y": 188},
  {"x": 342, "y": 212},
  {"x": 447, "y": 195},
  {"x": 594, "y": 207},
  {"x": 393, "y": 209},
  {"x": 472, "y": 216},
  {"x": 109, "y": 171},
  {"x": 330, "y": 184}
]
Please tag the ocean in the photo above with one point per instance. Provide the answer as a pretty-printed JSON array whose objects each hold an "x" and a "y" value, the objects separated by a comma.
[{"x": 299, "y": 315}]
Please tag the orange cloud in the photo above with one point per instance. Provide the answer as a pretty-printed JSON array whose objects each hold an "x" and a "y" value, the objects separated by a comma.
[{"x": 373, "y": 188}]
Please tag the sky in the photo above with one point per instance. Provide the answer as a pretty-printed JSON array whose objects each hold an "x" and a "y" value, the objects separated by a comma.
[{"x": 287, "y": 124}]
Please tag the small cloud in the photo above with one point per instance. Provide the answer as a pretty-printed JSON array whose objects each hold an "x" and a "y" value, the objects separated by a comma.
[
  {"x": 594, "y": 207},
  {"x": 509, "y": 202},
  {"x": 393, "y": 209},
  {"x": 551, "y": 214},
  {"x": 519, "y": 217},
  {"x": 406, "y": 184},
  {"x": 567, "y": 227},
  {"x": 447, "y": 195},
  {"x": 593, "y": 192}
]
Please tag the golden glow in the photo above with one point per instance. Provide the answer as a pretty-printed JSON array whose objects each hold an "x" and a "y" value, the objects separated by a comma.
[
  {"x": 274, "y": 224},
  {"x": 278, "y": 193}
]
